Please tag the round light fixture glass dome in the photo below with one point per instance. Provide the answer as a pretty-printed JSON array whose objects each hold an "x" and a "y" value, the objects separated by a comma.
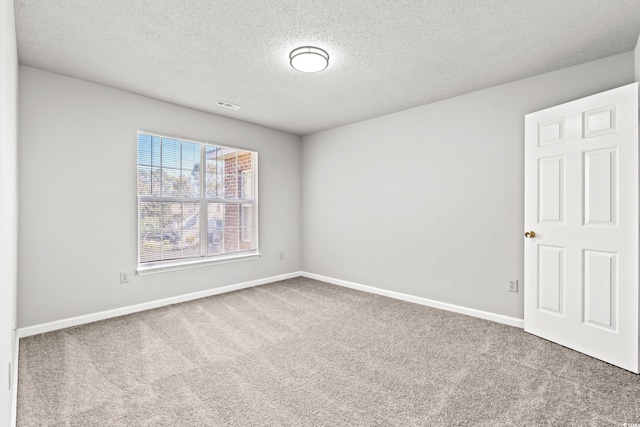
[{"x": 309, "y": 59}]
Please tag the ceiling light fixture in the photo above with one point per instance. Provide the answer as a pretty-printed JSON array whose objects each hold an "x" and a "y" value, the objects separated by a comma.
[{"x": 309, "y": 59}]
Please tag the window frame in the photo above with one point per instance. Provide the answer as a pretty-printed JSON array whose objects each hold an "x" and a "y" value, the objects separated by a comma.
[{"x": 204, "y": 259}]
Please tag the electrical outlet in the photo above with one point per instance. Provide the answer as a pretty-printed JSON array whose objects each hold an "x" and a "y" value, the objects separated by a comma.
[
  {"x": 281, "y": 256},
  {"x": 124, "y": 277},
  {"x": 512, "y": 286}
]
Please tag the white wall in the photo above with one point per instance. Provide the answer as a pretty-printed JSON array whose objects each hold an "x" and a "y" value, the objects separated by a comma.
[
  {"x": 8, "y": 200},
  {"x": 78, "y": 213},
  {"x": 636, "y": 58},
  {"x": 429, "y": 201}
]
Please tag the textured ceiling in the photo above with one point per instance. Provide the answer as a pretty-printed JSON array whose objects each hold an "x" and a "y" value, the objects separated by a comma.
[{"x": 386, "y": 56}]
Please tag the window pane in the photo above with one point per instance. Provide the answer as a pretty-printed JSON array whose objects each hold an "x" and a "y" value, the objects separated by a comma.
[
  {"x": 231, "y": 239},
  {"x": 156, "y": 181},
  {"x": 150, "y": 216},
  {"x": 246, "y": 179},
  {"x": 187, "y": 185},
  {"x": 245, "y": 230},
  {"x": 148, "y": 150},
  {"x": 170, "y": 153},
  {"x": 215, "y": 170},
  {"x": 156, "y": 151},
  {"x": 150, "y": 225},
  {"x": 170, "y": 182},
  {"x": 245, "y": 166},
  {"x": 190, "y": 156},
  {"x": 171, "y": 224},
  {"x": 215, "y": 224},
  {"x": 231, "y": 186},
  {"x": 190, "y": 238},
  {"x": 190, "y": 172},
  {"x": 144, "y": 181},
  {"x": 169, "y": 230},
  {"x": 231, "y": 227},
  {"x": 144, "y": 150}
]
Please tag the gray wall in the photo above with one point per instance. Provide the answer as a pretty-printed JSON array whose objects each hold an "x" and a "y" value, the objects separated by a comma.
[
  {"x": 8, "y": 199},
  {"x": 429, "y": 201},
  {"x": 78, "y": 213}
]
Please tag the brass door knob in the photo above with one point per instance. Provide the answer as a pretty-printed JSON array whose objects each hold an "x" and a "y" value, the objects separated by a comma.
[{"x": 530, "y": 234}]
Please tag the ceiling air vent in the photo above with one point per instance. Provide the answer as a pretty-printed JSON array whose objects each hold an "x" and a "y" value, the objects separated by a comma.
[{"x": 228, "y": 105}]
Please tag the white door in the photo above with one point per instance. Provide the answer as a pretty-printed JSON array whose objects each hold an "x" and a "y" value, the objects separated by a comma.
[{"x": 581, "y": 220}]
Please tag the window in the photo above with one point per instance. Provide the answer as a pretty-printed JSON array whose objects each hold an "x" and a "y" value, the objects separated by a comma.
[{"x": 188, "y": 213}]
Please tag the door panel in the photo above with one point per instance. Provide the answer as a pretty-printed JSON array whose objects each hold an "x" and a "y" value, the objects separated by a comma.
[
  {"x": 600, "y": 121},
  {"x": 551, "y": 197},
  {"x": 600, "y": 283},
  {"x": 551, "y": 279},
  {"x": 581, "y": 199},
  {"x": 601, "y": 187},
  {"x": 551, "y": 132}
]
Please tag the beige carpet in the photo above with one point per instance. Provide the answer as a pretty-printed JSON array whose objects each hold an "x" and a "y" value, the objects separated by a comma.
[{"x": 304, "y": 353}]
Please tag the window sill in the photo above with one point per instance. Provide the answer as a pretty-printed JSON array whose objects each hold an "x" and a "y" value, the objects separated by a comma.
[{"x": 161, "y": 267}]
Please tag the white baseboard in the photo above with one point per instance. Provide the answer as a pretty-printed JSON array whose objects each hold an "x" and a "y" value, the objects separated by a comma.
[
  {"x": 94, "y": 317},
  {"x": 499, "y": 318},
  {"x": 107, "y": 314},
  {"x": 14, "y": 382}
]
